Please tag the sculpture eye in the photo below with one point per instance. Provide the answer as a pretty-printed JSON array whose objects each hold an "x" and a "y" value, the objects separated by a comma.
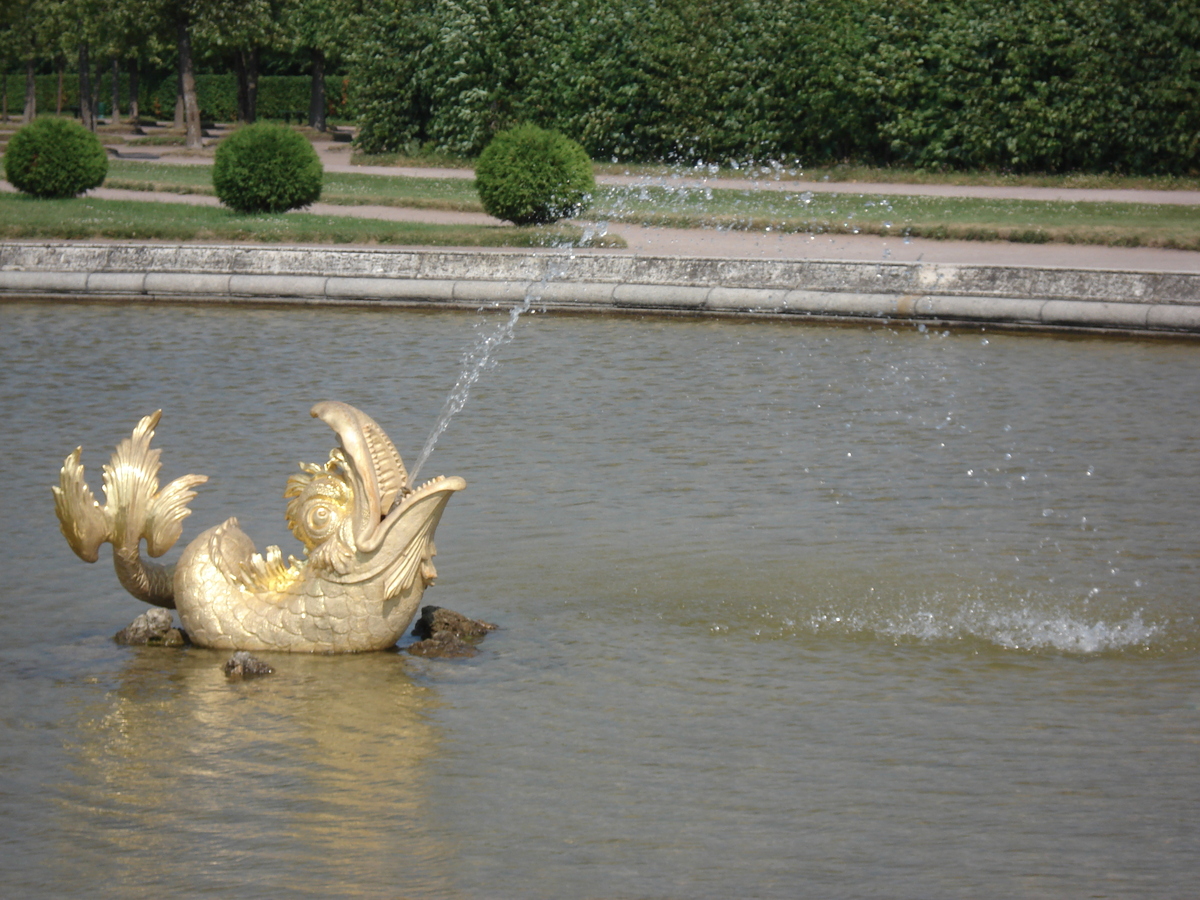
[{"x": 318, "y": 519}]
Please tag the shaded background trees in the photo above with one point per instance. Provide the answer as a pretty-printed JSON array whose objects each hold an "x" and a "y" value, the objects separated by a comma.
[
  {"x": 1020, "y": 85},
  {"x": 125, "y": 52}
]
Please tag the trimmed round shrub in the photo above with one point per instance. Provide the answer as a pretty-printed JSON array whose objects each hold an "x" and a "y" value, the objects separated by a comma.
[
  {"x": 266, "y": 168},
  {"x": 53, "y": 157},
  {"x": 530, "y": 176}
]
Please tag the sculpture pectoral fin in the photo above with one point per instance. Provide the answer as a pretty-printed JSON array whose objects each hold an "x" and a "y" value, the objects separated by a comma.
[{"x": 407, "y": 550}]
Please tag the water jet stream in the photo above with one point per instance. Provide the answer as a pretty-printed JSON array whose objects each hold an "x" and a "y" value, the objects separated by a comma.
[{"x": 482, "y": 356}]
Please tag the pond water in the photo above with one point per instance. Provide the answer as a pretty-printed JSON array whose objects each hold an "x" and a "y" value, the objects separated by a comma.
[{"x": 785, "y": 611}]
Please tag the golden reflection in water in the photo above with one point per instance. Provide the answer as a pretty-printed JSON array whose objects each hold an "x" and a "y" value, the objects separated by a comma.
[{"x": 309, "y": 781}]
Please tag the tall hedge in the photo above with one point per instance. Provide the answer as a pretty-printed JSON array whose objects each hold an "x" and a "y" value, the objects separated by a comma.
[
  {"x": 1018, "y": 85},
  {"x": 278, "y": 95}
]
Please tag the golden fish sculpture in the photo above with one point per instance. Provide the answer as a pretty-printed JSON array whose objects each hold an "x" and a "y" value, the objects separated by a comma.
[{"x": 368, "y": 537}]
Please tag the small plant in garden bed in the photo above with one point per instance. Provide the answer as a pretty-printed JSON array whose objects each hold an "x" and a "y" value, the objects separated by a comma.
[
  {"x": 266, "y": 168},
  {"x": 530, "y": 176},
  {"x": 53, "y": 157}
]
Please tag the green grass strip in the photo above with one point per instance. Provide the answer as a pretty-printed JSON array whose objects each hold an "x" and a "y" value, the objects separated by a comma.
[
  {"x": 842, "y": 172},
  {"x": 85, "y": 217},
  {"x": 846, "y": 173},
  {"x": 346, "y": 189},
  {"x": 946, "y": 218}
]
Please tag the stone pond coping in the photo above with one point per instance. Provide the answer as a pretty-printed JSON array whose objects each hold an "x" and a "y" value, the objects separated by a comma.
[{"x": 1009, "y": 296}]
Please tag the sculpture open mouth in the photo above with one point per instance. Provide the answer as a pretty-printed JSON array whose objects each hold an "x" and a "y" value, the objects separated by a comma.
[
  {"x": 382, "y": 494},
  {"x": 411, "y": 497}
]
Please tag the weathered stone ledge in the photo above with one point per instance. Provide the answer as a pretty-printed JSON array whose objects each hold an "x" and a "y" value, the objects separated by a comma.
[{"x": 1125, "y": 301}]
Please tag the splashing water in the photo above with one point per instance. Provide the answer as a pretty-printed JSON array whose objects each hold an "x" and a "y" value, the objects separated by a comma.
[
  {"x": 1009, "y": 629},
  {"x": 482, "y": 356}
]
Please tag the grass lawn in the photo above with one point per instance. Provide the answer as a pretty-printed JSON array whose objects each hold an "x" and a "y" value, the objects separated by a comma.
[
  {"x": 841, "y": 172},
  {"x": 958, "y": 218},
  {"x": 757, "y": 208},
  {"x": 349, "y": 189},
  {"x": 86, "y": 217},
  {"x": 894, "y": 175}
]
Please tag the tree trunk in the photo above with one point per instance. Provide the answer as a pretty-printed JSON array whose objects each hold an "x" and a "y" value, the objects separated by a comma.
[
  {"x": 60, "y": 63},
  {"x": 30, "y": 92},
  {"x": 246, "y": 64},
  {"x": 96, "y": 92},
  {"x": 252, "y": 85},
  {"x": 239, "y": 69},
  {"x": 179, "y": 94},
  {"x": 85, "y": 88},
  {"x": 187, "y": 79},
  {"x": 316, "y": 100},
  {"x": 116, "y": 90},
  {"x": 135, "y": 111},
  {"x": 3, "y": 98}
]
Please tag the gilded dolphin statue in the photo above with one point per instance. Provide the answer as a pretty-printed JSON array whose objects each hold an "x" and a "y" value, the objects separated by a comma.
[{"x": 367, "y": 535}]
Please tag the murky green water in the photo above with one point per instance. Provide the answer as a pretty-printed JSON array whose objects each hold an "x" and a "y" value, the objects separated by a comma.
[{"x": 786, "y": 611}]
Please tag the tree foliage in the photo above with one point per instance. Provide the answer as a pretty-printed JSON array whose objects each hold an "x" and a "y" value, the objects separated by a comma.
[
  {"x": 1007, "y": 84},
  {"x": 1051, "y": 85}
]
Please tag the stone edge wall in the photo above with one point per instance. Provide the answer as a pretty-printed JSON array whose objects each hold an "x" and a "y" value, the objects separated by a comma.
[{"x": 1130, "y": 301}]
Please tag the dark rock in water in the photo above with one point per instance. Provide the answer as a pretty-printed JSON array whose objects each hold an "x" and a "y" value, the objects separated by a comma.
[
  {"x": 436, "y": 621},
  {"x": 443, "y": 646},
  {"x": 243, "y": 665},
  {"x": 446, "y": 634},
  {"x": 154, "y": 627}
]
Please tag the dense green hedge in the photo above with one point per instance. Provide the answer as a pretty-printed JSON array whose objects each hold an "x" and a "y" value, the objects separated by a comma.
[
  {"x": 1018, "y": 85},
  {"x": 278, "y": 95}
]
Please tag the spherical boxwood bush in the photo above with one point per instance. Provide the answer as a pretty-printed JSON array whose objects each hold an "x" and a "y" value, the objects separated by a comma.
[
  {"x": 266, "y": 168},
  {"x": 53, "y": 157},
  {"x": 530, "y": 176}
]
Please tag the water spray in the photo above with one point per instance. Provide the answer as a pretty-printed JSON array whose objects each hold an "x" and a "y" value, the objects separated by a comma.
[{"x": 482, "y": 356}]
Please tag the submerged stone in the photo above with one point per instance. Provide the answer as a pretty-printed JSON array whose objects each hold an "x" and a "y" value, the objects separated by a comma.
[
  {"x": 443, "y": 646},
  {"x": 243, "y": 665},
  {"x": 436, "y": 620},
  {"x": 155, "y": 627},
  {"x": 446, "y": 634}
]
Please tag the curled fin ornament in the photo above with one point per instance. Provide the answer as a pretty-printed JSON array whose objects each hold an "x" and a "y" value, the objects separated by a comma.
[{"x": 367, "y": 536}]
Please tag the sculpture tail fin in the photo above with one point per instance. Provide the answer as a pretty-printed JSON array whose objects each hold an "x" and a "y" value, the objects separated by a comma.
[
  {"x": 134, "y": 508},
  {"x": 84, "y": 523},
  {"x": 138, "y": 509}
]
